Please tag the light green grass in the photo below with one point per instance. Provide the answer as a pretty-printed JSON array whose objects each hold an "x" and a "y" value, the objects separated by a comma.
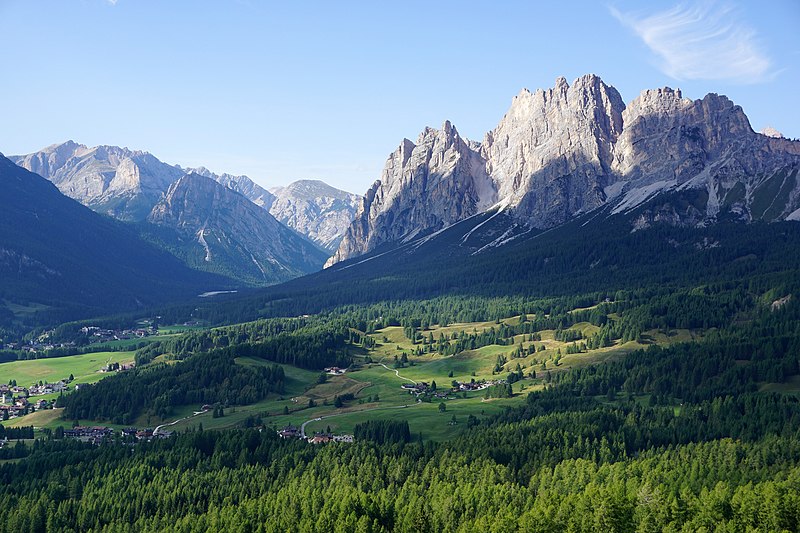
[
  {"x": 368, "y": 381},
  {"x": 84, "y": 367},
  {"x": 39, "y": 419},
  {"x": 423, "y": 418}
]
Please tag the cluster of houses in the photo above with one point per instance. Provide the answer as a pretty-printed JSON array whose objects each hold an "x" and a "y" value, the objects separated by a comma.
[
  {"x": 48, "y": 388},
  {"x": 34, "y": 346},
  {"x": 476, "y": 385},
  {"x": 93, "y": 434},
  {"x": 15, "y": 401},
  {"x": 97, "y": 334},
  {"x": 292, "y": 432},
  {"x": 118, "y": 367},
  {"x": 335, "y": 370},
  {"x": 424, "y": 388},
  {"x": 99, "y": 434}
]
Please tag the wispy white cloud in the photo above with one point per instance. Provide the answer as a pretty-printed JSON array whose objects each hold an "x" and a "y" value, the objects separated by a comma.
[
  {"x": 112, "y": 2},
  {"x": 702, "y": 41}
]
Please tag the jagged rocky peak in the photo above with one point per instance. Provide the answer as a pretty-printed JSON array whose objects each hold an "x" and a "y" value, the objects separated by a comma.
[
  {"x": 569, "y": 149},
  {"x": 187, "y": 201},
  {"x": 550, "y": 154},
  {"x": 769, "y": 131},
  {"x": 423, "y": 188},
  {"x": 671, "y": 141}
]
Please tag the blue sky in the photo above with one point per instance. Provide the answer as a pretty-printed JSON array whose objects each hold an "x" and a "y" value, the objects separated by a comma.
[{"x": 290, "y": 90}]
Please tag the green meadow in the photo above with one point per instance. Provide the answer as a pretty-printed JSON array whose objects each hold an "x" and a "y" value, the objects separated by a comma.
[{"x": 84, "y": 367}]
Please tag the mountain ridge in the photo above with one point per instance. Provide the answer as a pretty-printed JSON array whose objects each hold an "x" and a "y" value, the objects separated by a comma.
[
  {"x": 570, "y": 149},
  {"x": 126, "y": 184},
  {"x": 223, "y": 231}
]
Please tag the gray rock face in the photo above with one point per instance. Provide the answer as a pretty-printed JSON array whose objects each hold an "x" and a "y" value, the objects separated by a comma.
[
  {"x": 227, "y": 233},
  {"x": 424, "y": 187},
  {"x": 571, "y": 149},
  {"x": 706, "y": 152},
  {"x": 315, "y": 209},
  {"x": 241, "y": 184},
  {"x": 126, "y": 184},
  {"x": 111, "y": 180},
  {"x": 551, "y": 154}
]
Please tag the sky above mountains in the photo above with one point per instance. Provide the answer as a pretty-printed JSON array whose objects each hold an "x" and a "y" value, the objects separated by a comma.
[{"x": 326, "y": 90}]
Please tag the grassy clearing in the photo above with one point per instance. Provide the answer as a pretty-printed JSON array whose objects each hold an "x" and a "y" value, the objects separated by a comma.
[
  {"x": 84, "y": 367},
  {"x": 21, "y": 311},
  {"x": 39, "y": 419},
  {"x": 377, "y": 388},
  {"x": 790, "y": 386}
]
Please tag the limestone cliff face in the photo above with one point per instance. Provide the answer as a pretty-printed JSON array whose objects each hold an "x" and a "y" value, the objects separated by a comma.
[
  {"x": 551, "y": 154},
  {"x": 225, "y": 232},
  {"x": 571, "y": 149},
  {"x": 424, "y": 187},
  {"x": 315, "y": 209},
  {"x": 678, "y": 145},
  {"x": 115, "y": 181}
]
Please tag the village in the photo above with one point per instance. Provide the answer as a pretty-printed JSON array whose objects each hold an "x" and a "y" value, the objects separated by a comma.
[
  {"x": 92, "y": 335},
  {"x": 424, "y": 389},
  {"x": 17, "y": 400},
  {"x": 322, "y": 437}
]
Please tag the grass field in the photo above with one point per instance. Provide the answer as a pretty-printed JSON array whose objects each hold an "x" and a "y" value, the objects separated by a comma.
[
  {"x": 83, "y": 367},
  {"x": 39, "y": 419}
]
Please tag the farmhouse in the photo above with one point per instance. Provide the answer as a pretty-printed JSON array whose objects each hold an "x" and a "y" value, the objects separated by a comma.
[
  {"x": 321, "y": 438},
  {"x": 290, "y": 432}
]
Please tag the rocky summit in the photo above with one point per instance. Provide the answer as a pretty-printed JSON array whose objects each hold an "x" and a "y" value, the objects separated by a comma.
[
  {"x": 315, "y": 209},
  {"x": 111, "y": 180},
  {"x": 574, "y": 148}
]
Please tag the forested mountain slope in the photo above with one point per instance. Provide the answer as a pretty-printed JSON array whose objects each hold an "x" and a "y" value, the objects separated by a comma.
[{"x": 67, "y": 261}]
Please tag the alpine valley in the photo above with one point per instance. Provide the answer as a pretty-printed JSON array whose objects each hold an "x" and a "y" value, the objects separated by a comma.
[{"x": 587, "y": 321}]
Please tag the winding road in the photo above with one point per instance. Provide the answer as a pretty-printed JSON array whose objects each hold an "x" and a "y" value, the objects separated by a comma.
[{"x": 158, "y": 428}]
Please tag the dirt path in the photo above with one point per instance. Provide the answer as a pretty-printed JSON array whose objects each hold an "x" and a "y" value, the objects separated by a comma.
[
  {"x": 397, "y": 373},
  {"x": 158, "y": 428}
]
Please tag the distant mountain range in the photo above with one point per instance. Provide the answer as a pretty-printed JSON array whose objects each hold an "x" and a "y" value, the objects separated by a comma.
[
  {"x": 62, "y": 260},
  {"x": 235, "y": 234},
  {"x": 569, "y": 150},
  {"x": 222, "y": 231},
  {"x": 118, "y": 182},
  {"x": 560, "y": 160}
]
